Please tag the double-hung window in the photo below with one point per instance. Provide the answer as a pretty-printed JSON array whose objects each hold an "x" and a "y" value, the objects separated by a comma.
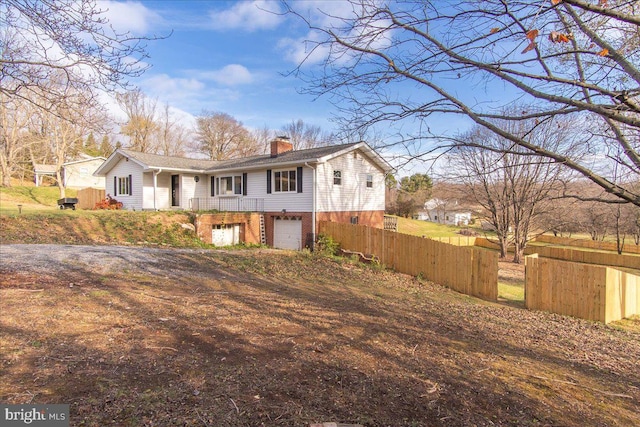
[
  {"x": 230, "y": 185},
  {"x": 122, "y": 185},
  {"x": 337, "y": 177},
  {"x": 285, "y": 181},
  {"x": 369, "y": 181}
]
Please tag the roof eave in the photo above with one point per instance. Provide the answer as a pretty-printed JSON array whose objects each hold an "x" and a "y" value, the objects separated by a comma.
[{"x": 265, "y": 166}]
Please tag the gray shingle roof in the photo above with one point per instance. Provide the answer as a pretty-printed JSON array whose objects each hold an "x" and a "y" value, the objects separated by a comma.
[
  {"x": 169, "y": 162},
  {"x": 295, "y": 156},
  {"x": 156, "y": 161}
]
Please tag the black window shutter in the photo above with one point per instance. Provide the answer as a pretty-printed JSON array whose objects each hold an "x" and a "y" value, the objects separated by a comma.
[
  {"x": 213, "y": 186},
  {"x": 299, "y": 179},
  {"x": 268, "y": 181},
  {"x": 244, "y": 184},
  {"x": 130, "y": 185},
  {"x": 115, "y": 186}
]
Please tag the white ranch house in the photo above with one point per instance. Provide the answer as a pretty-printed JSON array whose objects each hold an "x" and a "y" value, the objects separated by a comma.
[
  {"x": 290, "y": 189},
  {"x": 445, "y": 212}
]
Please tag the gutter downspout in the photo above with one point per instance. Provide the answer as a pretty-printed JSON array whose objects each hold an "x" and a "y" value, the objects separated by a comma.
[
  {"x": 313, "y": 204},
  {"x": 155, "y": 185}
]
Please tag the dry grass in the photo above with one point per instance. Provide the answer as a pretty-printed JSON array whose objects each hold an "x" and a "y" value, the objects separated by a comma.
[{"x": 262, "y": 337}]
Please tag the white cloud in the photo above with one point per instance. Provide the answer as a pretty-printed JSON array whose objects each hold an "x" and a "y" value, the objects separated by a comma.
[
  {"x": 248, "y": 16},
  {"x": 129, "y": 16},
  {"x": 191, "y": 95},
  {"x": 335, "y": 15},
  {"x": 230, "y": 75},
  {"x": 165, "y": 84},
  {"x": 304, "y": 49}
]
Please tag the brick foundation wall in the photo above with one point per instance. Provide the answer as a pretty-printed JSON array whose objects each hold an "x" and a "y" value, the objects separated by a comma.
[
  {"x": 249, "y": 225},
  {"x": 369, "y": 218}
]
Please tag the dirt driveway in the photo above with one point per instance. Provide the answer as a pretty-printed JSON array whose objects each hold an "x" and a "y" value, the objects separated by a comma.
[{"x": 132, "y": 336}]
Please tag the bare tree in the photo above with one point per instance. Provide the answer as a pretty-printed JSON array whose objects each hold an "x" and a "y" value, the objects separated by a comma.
[
  {"x": 141, "y": 125},
  {"x": 222, "y": 137},
  {"x": 171, "y": 135},
  {"x": 63, "y": 129},
  {"x": 303, "y": 135},
  {"x": 69, "y": 38},
  {"x": 404, "y": 61},
  {"x": 14, "y": 137},
  {"x": 514, "y": 189},
  {"x": 262, "y": 137}
]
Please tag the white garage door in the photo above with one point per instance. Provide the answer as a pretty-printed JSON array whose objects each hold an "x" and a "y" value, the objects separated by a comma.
[
  {"x": 288, "y": 234},
  {"x": 225, "y": 235}
]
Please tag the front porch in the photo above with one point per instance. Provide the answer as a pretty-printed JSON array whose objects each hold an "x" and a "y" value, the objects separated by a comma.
[{"x": 226, "y": 204}]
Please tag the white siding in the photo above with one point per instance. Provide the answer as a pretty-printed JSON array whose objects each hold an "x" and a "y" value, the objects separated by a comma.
[
  {"x": 277, "y": 201},
  {"x": 353, "y": 194},
  {"x": 121, "y": 169},
  {"x": 80, "y": 175},
  {"x": 189, "y": 188},
  {"x": 162, "y": 191},
  {"x": 147, "y": 191}
]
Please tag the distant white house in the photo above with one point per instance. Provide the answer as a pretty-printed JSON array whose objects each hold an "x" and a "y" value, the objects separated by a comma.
[
  {"x": 445, "y": 212},
  {"x": 75, "y": 174},
  {"x": 79, "y": 173}
]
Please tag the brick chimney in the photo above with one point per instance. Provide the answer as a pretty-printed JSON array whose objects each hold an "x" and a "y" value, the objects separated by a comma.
[{"x": 280, "y": 145}]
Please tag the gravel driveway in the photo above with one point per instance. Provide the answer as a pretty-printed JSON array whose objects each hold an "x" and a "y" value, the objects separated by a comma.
[{"x": 52, "y": 259}]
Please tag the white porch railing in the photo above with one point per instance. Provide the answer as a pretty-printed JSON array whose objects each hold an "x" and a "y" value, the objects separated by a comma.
[{"x": 226, "y": 204}]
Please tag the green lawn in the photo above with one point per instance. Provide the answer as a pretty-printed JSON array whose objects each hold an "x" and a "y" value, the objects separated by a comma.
[
  {"x": 511, "y": 292},
  {"x": 30, "y": 199},
  {"x": 427, "y": 228}
]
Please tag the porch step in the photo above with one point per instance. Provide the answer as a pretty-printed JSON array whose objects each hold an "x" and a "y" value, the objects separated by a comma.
[{"x": 263, "y": 236}]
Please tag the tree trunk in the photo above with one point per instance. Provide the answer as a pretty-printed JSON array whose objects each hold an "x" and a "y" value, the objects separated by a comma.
[{"x": 60, "y": 183}]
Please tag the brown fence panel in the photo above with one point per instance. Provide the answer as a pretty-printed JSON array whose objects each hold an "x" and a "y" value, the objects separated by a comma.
[
  {"x": 587, "y": 291},
  {"x": 591, "y": 244},
  {"x": 88, "y": 197},
  {"x": 466, "y": 269},
  {"x": 588, "y": 256}
]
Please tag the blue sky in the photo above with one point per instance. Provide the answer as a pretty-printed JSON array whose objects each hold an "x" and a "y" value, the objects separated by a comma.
[
  {"x": 223, "y": 56},
  {"x": 233, "y": 57}
]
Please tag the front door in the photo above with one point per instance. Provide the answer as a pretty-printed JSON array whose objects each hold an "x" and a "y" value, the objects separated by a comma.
[{"x": 175, "y": 190}]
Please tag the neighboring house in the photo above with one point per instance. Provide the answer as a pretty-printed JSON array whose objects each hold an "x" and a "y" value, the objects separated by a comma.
[
  {"x": 41, "y": 170},
  {"x": 284, "y": 194},
  {"x": 79, "y": 173},
  {"x": 445, "y": 212},
  {"x": 75, "y": 174}
]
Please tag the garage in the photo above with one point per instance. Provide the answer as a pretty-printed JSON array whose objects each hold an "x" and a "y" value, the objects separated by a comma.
[
  {"x": 225, "y": 234},
  {"x": 287, "y": 233}
]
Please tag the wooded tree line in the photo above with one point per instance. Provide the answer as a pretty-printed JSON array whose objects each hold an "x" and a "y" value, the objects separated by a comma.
[
  {"x": 32, "y": 135},
  {"x": 520, "y": 196}
]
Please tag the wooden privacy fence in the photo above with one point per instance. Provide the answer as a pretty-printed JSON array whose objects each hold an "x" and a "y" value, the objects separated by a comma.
[
  {"x": 589, "y": 256},
  {"x": 88, "y": 197},
  {"x": 465, "y": 269},
  {"x": 590, "y": 244},
  {"x": 456, "y": 240},
  {"x": 612, "y": 259},
  {"x": 591, "y": 292}
]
